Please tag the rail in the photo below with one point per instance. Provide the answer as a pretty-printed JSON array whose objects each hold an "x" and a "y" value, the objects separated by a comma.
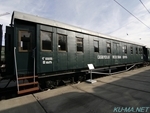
[{"x": 113, "y": 72}]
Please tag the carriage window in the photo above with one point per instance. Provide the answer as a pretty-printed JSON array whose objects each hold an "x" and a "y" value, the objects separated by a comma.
[
  {"x": 131, "y": 50},
  {"x": 108, "y": 47},
  {"x": 96, "y": 46},
  {"x": 46, "y": 40},
  {"x": 124, "y": 49},
  {"x": 24, "y": 41},
  {"x": 140, "y": 50},
  {"x": 62, "y": 42},
  {"x": 115, "y": 48},
  {"x": 136, "y": 49},
  {"x": 79, "y": 44}
]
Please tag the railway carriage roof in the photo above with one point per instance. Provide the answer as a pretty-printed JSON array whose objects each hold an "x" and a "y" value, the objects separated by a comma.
[{"x": 37, "y": 19}]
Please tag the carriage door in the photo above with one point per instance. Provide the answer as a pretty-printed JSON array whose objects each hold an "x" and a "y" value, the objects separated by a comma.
[{"x": 26, "y": 49}]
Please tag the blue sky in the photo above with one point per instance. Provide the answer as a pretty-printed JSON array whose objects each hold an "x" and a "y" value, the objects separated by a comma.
[{"x": 103, "y": 16}]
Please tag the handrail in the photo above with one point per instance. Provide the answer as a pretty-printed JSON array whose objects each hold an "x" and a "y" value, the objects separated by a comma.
[
  {"x": 114, "y": 72},
  {"x": 34, "y": 63},
  {"x": 16, "y": 67}
]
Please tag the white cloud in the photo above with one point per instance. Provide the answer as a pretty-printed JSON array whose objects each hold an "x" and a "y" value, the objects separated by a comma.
[{"x": 102, "y": 16}]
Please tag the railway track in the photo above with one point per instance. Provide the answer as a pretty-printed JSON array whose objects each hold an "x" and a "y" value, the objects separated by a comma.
[{"x": 7, "y": 93}]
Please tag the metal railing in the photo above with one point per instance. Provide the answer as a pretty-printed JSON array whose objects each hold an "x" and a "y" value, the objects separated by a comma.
[{"x": 16, "y": 68}]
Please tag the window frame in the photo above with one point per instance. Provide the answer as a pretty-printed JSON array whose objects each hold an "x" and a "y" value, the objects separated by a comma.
[
  {"x": 124, "y": 49},
  {"x": 136, "y": 50},
  {"x": 116, "y": 48},
  {"x": 97, "y": 45},
  {"x": 51, "y": 41},
  {"x": 131, "y": 48},
  {"x": 140, "y": 50},
  {"x": 66, "y": 50},
  {"x": 19, "y": 41},
  {"x": 108, "y": 47},
  {"x": 82, "y": 45}
]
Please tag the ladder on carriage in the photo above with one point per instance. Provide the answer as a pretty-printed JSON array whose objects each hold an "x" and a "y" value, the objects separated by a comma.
[{"x": 26, "y": 83}]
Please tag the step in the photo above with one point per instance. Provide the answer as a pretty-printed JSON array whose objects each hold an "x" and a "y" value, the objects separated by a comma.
[
  {"x": 28, "y": 90},
  {"x": 27, "y": 84},
  {"x": 26, "y": 77}
]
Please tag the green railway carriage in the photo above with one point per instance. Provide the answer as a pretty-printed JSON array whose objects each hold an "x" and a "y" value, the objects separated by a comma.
[
  {"x": 39, "y": 51},
  {"x": 36, "y": 45},
  {"x": 147, "y": 54}
]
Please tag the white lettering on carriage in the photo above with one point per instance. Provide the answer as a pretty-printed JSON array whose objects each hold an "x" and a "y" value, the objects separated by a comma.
[
  {"x": 47, "y": 60},
  {"x": 113, "y": 57},
  {"x": 116, "y": 57},
  {"x": 124, "y": 57},
  {"x": 103, "y": 57}
]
